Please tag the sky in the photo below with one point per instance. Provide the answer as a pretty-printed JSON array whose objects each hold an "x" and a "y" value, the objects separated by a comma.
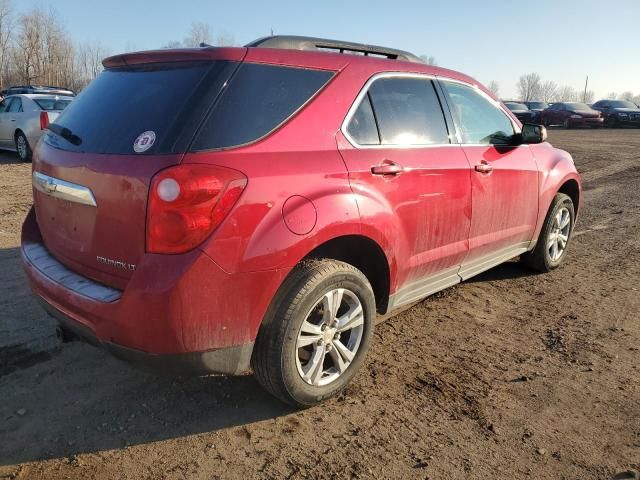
[{"x": 562, "y": 40}]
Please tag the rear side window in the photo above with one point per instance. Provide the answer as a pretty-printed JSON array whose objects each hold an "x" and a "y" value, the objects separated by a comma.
[
  {"x": 478, "y": 119},
  {"x": 52, "y": 103},
  {"x": 362, "y": 126},
  {"x": 167, "y": 99},
  {"x": 408, "y": 112},
  {"x": 258, "y": 100}
]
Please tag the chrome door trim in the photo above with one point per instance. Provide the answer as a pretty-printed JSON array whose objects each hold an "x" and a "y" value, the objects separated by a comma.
[{"x": 63, "y": 190}]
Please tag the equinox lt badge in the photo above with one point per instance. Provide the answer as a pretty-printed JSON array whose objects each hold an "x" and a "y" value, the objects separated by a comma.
[{"x": 115, "y": 263}]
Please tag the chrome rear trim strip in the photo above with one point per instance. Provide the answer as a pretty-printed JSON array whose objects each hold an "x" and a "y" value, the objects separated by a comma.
[{"x": 63, "y": 190}]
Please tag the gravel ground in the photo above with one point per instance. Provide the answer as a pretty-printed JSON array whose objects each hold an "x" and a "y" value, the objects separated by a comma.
[{"x": 509, "y": 375}]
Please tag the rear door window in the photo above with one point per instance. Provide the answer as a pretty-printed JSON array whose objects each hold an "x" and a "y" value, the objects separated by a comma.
[
  {"x": 258, "y": 100},
  {"x": 362, "y": 126},
  {"x": 408, "y": 111}
]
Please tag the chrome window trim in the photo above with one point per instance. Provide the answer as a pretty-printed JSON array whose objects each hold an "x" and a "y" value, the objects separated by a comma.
[
  {"x": 365, "y": 89},
  {"x": 62, "y": 189},
  {"x": 455, "y": 140}
]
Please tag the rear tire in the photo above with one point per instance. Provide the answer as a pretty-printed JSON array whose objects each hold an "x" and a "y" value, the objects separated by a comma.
[
  {"x": 22, "y": 147},
  {"x": 304, "y": 352},
  {"x": 554, "y": 237}
]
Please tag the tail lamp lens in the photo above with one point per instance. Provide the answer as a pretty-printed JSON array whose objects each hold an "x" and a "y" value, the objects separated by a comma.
[
  {"x": 187, "y": 203},
  {"x": 44, "y": 120}
]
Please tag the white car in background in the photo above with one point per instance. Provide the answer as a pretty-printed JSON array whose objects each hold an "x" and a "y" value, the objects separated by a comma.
[{"x": 24, "y": 118}]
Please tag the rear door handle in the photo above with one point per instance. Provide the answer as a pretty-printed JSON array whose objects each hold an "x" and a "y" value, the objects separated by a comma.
[
  {"x": 484, "y": 167},
  {"x": 387, "y": 169}
]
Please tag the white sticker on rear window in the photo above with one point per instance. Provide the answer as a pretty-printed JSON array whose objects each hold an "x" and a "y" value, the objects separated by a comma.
[{"x": 144, "y": 141}]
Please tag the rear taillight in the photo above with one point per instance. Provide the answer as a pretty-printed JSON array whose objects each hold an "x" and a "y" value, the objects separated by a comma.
[
  {"x": 44, "y": 120},
  {"x": 187, "y": 203}
]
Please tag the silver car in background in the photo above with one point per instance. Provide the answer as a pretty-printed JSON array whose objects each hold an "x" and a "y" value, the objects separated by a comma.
[{"x": 24, "y": 118}]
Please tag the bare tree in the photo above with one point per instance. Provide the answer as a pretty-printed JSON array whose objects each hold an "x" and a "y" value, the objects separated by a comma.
[
  {"x": 636, "y": 100},
  {"x": 628, "y": 96},
  {"x": 6, "y": 29},
  {"x": 566, "y": 93},
  {"x": 173, "y": 44},
  {"x": 494, "y": 87},
  {"x": 199, "y": 34},
  {"x": 548, "y": 91},
  {"x": 225, "y": 40},
  {"x": 529, "y": 87},
  {"x": 612, "y": 95},
  {"x": 588, "y": 97},
  {"x": 429, "y": 59}
]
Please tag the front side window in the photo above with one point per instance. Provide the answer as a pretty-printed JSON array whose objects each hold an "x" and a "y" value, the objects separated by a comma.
[
  {"x": 479, "y": 120},
  {"x": 4, "y": 105},
  {"x": 16, "y": 105},
  {"x": 408, "y": 112}
]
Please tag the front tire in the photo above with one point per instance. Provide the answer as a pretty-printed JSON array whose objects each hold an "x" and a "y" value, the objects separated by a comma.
[
  {"x": 554, "y": 237},
  {"x": 316, "y": 333},
  {"x": 22, "y": 147}
]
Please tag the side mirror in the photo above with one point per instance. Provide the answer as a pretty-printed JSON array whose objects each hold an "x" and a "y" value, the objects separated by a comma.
[{"x": 532, "y": 133}]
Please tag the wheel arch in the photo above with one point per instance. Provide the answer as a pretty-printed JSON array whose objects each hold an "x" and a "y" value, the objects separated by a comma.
[
  {"x": 367, "y": 256},
  {"x": 572, "y": 189}
]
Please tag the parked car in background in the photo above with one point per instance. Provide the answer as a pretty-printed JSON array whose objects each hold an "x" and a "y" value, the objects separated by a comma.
[
  {"x": 266, "y": 215},
  {"x": 618, "y": 112},
  {"x": 571, "y": 114},
  {"x": 37, "y": 89},
  {"x": 537, "y": 106},
  {"x": 24, "y": 118},
  {"x": 521, "y": 111}
]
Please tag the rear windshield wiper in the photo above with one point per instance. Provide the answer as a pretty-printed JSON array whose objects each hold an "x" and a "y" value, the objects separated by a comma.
[{"x": 65, "y": 133}]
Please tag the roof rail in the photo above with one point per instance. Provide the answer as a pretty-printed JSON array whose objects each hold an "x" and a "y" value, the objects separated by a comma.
[{"x": 294, "y": 42}]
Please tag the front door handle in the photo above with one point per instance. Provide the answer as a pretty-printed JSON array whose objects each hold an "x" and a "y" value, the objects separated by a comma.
[
  {"x": 387, "y": 169},
  {"x": 484, "y": 167}
]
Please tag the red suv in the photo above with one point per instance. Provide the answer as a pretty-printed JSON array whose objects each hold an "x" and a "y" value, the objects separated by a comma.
[{"x": 222, "y": 209}]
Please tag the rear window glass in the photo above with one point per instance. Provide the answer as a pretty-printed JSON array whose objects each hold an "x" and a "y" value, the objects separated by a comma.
[
  {"x": 408, "y": 112},
  {"x": 362, "y": 127},
  {"x": 122, "y": 103},
  {"x": 258, "y": 99},
  {"x": 52, "y": 103}
]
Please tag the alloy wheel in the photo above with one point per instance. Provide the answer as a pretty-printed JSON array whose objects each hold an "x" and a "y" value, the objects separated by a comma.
[
  {"x": 329, "y": 337},
  {"x": 21, "y": 144},
  {"x": 559, "y": 234}
]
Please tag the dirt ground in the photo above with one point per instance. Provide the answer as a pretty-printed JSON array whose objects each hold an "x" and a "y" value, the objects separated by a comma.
[{"x": 511, "y": 375}]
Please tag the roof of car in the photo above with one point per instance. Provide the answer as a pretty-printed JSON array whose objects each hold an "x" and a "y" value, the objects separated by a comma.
[{"x": 318, "y": 58}]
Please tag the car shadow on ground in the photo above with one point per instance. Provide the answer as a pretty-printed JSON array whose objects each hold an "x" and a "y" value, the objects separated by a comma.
[
  {"x": 7, "y": 157},
  {"x": 59, "y": 400},
  {"x": 509, "y": 270}
]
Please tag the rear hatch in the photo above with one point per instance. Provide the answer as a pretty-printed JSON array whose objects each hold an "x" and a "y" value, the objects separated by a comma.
[{"x": 137, "y": 118}]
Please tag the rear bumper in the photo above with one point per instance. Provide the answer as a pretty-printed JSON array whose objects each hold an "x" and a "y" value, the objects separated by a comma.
[
  {"x": 231, "y": 360},
  {"x": 175, "y": 308}
]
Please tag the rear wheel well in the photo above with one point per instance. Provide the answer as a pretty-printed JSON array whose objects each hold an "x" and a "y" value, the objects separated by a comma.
[
  {"x": 364, "y": 254},
  {"x": 571, "y": 188}
]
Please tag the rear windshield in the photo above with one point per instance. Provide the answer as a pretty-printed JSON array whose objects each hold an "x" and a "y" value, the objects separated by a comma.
[
  {"x": 537, "y": 105},
  {"x": 122, "y": 104},
  {"x": 221, "y": 104},
  {"x": 622, "y": 104},
  {"x": 52, "y": 103}
]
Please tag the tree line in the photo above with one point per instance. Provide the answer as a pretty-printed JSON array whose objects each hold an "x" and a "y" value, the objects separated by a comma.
[
  {"x": 35, "y": 49},
  {"x": 531, "y": 87}
]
